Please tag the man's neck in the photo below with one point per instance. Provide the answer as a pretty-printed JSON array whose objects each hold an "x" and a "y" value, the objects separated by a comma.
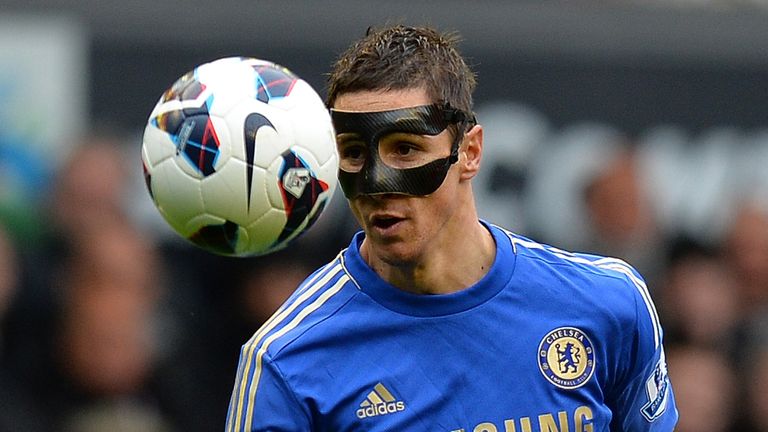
[{"x": 443, "y": 268}]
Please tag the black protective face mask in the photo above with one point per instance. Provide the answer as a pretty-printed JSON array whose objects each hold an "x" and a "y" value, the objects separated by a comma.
[{"x": 375, "y": 176}]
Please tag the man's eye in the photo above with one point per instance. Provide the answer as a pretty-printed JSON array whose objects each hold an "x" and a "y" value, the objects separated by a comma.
[
  {"x": 405, "y": 149},
  {"x": 352, "y": 152}
]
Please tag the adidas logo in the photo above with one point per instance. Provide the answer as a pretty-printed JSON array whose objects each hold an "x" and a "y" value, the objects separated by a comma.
[{"x": 379, "y": 402}]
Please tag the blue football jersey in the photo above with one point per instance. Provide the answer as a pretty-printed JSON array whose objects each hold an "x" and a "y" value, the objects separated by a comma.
[{"x": 547, "y": 340}]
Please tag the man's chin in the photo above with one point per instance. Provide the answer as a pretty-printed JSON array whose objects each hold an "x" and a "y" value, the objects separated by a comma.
[{"x": 396, "y": 254}]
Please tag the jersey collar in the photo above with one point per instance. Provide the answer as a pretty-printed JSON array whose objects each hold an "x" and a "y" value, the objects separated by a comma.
[{"x": 395, "y": 299}]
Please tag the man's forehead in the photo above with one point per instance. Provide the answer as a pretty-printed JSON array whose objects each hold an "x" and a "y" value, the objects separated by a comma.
[{"x": 381, "y": 100}]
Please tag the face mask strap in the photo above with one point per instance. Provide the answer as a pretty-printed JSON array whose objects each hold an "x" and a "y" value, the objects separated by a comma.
[{"x": 463, "y": 121}]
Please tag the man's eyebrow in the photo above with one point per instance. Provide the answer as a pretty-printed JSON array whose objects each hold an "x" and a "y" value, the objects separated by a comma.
[
  {"x": 412, "y": 135},
  {"x": 348, "y": 136}
]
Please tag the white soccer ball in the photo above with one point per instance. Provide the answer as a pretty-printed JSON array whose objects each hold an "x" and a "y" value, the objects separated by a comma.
[{"x": 240, "y": 156}]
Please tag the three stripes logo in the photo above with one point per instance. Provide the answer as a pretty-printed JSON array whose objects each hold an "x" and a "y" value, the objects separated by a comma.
[{"x": 379, "y": 402}]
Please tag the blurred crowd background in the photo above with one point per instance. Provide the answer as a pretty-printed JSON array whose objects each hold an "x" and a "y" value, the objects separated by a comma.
[{"x": 636, "y": 129}]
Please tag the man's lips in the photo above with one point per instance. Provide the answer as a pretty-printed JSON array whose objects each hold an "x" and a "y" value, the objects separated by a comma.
[{"x": 384, "y": 221}]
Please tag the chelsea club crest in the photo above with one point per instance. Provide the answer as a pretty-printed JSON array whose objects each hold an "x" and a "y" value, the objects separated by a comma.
[{"x": 566, "y": 357}]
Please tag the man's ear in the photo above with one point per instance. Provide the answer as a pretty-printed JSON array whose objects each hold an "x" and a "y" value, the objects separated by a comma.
[{"x": 471, "y": 151}]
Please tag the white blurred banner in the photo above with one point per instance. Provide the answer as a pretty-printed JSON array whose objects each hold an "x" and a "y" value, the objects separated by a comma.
[{"x": 43, "y": 104}]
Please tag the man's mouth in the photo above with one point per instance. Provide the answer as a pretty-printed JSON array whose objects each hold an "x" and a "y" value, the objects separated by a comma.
[{"x": 384, "y": 222}]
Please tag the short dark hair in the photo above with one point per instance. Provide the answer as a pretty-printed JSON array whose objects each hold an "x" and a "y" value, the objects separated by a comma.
[{"x": 401, "y": 57}]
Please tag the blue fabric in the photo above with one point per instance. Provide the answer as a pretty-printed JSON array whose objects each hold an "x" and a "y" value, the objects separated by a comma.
[{"x": 546, "y": 341}]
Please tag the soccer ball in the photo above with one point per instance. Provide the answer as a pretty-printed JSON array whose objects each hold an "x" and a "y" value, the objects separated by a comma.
[{"x": 240, "y": 156}]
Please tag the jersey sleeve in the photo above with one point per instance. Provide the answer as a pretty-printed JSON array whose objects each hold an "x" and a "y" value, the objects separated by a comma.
[
  {"x": 645, "y": 400},
  {"x": 262, "y": 400}
]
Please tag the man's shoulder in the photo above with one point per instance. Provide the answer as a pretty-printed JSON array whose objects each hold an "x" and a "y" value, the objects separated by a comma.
[
  {"x": 587, "y": 265},
  {"x": 599, "y": 281},
  {"x": 607, "y": 289},
  {"x": 308, "y": 309}
]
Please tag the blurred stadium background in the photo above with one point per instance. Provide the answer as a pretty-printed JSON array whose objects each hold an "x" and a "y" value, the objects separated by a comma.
[{"x": 637, "y": 129}]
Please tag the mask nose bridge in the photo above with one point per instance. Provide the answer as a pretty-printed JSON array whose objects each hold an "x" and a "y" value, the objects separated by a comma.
[{"x": 373, "y": 164}]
